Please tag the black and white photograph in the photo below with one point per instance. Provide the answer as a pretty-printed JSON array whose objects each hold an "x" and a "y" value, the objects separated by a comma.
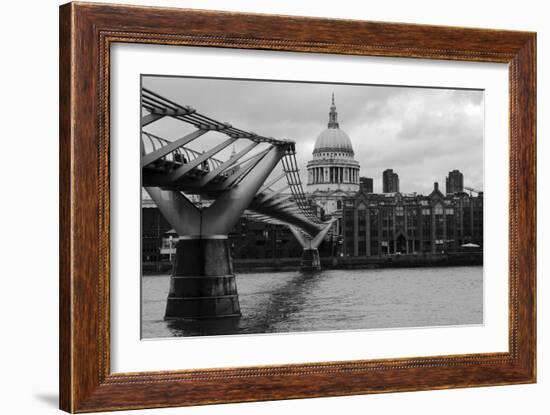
[{"x": 277, "y": 206}]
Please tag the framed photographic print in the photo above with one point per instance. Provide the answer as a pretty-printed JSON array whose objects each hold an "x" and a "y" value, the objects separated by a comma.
[{"x": 260, "y": 207}]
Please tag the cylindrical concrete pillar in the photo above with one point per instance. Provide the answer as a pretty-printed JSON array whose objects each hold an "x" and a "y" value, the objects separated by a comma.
[{"x": 202, "y": 285}]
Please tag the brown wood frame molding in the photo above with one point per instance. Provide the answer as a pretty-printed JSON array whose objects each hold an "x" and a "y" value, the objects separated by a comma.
[{"x": 86, "y": 33}]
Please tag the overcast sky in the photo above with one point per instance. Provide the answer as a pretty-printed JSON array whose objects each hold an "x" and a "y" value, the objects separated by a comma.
[{"x": 420, "y": 133}]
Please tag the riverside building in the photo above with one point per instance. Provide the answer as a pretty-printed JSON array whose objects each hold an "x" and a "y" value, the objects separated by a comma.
[{"x": 396, "y": 223}]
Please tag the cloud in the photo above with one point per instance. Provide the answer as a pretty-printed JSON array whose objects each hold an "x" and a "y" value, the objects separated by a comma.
[{"x": 422, "y": 133}]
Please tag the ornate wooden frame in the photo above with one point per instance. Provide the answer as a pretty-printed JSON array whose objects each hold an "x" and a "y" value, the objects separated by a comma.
[{"x": 86, "y": 33}]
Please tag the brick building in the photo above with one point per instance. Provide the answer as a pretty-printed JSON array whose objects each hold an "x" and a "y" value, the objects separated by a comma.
[{"x": 382, "y": 224}]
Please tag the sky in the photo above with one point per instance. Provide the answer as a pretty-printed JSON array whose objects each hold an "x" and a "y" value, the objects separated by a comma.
[{"x": 420, "y": 133}]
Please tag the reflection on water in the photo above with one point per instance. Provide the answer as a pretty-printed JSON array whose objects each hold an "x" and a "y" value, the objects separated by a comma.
[{"x": 281, "y": 302}]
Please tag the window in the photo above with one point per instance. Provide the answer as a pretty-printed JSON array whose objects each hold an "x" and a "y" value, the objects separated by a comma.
[{"x": 438, "y": 209}]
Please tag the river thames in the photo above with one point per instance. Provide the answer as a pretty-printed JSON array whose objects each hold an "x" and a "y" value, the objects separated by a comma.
[{"x": 283, "y": 302}]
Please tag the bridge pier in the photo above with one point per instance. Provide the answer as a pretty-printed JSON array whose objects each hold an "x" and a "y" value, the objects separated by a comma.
[
  {"x": 311, "y": 262},
  {"x": 202, "y": 285}
]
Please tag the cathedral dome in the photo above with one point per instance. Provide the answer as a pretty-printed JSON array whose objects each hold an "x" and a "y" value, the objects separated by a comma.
[{"x": 333, "y": 139}]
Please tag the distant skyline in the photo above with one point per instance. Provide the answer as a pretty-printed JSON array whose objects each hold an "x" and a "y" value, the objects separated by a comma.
[{"x": 420, "y": 133}]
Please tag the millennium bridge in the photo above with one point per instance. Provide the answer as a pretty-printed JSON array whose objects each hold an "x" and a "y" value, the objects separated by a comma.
[{"x": 203, "y": 197}]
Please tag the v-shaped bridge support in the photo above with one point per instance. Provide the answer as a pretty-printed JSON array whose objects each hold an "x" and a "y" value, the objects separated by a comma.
[{"x": 310, "y": 255}]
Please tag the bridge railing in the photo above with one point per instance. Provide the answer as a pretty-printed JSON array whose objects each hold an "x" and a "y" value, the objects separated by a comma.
[
  {"x": 160, "y": 106},
  {"x": 179, "y": 156}
]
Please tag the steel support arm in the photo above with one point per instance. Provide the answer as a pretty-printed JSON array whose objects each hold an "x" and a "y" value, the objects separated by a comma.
[
  {"x": 181, "y": 171},
  {"x": 168, "y": 148},
  {"x": 300, "y": 237},
  {"x": 222, "y": 215},
  {"x": 316, "y": 241},
  {"x": 238, "y": 174},
  {"x": 224, "y": 166},
  {"x": 150, "y": 118},
  {"x": 180, "y": 213},
  {"x": 313, "y": 242}
]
